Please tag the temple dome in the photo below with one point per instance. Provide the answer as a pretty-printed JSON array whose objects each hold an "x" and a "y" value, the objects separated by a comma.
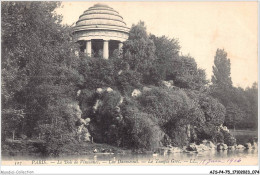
[{"x": 101, "y": 17}]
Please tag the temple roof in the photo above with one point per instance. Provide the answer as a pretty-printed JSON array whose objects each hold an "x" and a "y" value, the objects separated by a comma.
[{"x": 101, "y": 17}]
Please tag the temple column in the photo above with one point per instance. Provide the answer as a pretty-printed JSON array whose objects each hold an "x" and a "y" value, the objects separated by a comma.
[
  {"x": 105, "y": 49},
  {"x": 88, "y": 48},
  {"x": 120, "y": 46}
]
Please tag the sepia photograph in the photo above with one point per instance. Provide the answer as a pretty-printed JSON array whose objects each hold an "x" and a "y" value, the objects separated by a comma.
[{"x": 129, "y": 83}]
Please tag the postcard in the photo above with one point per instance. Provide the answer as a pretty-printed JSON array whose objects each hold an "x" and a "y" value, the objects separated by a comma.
[{"x": 127, "y": 83}]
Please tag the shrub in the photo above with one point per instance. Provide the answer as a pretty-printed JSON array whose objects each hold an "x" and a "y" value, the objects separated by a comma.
[
  {"x": 177, "y": 133},
  {"x": 213, "y": 115},
  {"x": 97, "y": 73},
  {"x": 228, "y": 138},
  {"x": 110, "y": 100},
  {"x": 146, "y": 133},
  {"x": 127, "y": 81},
  {"x": 106, "y": 118},
  {"x": 60, "y": 129},
  {"x": 87, "y": 101},
  {"x": 140, "y": 130},
  {"x": 164, "y": 104},
  {"x": 209, "y": 131}
]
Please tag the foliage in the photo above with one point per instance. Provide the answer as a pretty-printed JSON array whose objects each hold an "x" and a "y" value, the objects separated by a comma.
[
  {"x": 228, "y": 138},
  {"x": 141, "y": 130},
  {"x": 87, "y": 99},
  {"x": 106, "y": 119},
  {"x": 164, "y": 104},
  {"x": 175, "y": 112},
  {"x": 139, "y": 50},
  {"x": 234, "y": 115},
  {"x": 41, "y": 74},
  {"x": 221, "y": 69},
  {"x": 185, "y": 73},
  {"x": 96, "y": 73},
  {"x": 166, "y": 51},
  {"x": 145, "y": 133},
  {"x": 210, "y": 115},
  {"x": 251, "y": 94},
  {"x": 221, "y": 81},
  {"x": 39, "y": 68},
  {"x": 238, "y": 104},
  {"x": 214, "y": 111},
  {"x": 127, "y": 81},
  {"x": 59, "y": 128}
]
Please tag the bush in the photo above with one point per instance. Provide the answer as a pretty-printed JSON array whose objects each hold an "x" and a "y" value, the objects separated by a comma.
[
  {"x": 178, "y": 134},
  {"x": 97, "y": 73},
  {"x": 109, "y": 101},
  {"x": 140, "y": 129},
  {"x": 212, "y": 114},
  {"x": 209, "y": 131},
  {"x": 146, "y": 133},
  {"x": 164, "y": 104},
  {"x": 175, "y": 113},
  {"x": 87, "y": 99},
  {"x": 127, "y": 81},
  {"x": 105, "y": 120},
  {"x": 61, "y": 129},
  {"x": 228, "y": 138},
  {"x": 186, "y": 74}
]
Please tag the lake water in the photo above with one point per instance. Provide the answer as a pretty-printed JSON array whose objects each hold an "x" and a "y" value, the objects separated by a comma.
[
  {"x": 226, "y": 157},
  {"x": 211, "y": 157}
]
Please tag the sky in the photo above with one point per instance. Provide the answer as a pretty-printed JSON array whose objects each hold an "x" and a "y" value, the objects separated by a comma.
[{"x": 200, "y": 27}]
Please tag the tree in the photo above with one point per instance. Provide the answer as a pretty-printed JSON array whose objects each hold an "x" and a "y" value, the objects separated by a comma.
[
  {"x": 139, "y": 50},
  {"x": 221, "y": 87},
  {"x": 236, "y": 100},
  {"x": 234, "y": 115},
  {"x": 166, "y": 51},
  {"x": 251, "y": 94},
  {"x": 96, "y": 73},
  {"x": 210, "y": 114},
  {"x": 221, "y": 70},
  {"x": 186, "y": 74},
  {"x": 39, "y": 63}
]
